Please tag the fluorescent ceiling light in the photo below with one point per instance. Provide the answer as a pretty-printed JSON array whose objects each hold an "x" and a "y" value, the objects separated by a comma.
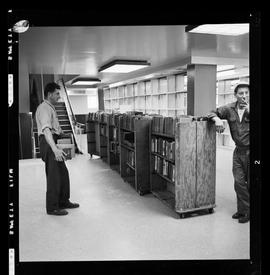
[
  {"x": 85, "y": 81},
  {"x": 225, "y": 73},
  {"x": 123, "y": 66},
  {"x": 224, "y": 67},
  {"x": 222, "y": 29}
]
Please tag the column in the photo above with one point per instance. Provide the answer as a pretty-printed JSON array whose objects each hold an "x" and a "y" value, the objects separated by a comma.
[
  {"x": 100, "y": 99},
  {"x": 201, "y": 89}
]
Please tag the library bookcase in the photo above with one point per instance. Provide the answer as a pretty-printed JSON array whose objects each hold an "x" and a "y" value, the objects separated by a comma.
[
  {"x": 97, "y": 134},
  {"x": 113, "y": 149},
  {"x": 90, "y": 132},
  {"x": 183, "y": 163},
  {"x": 134, "y": 151}
]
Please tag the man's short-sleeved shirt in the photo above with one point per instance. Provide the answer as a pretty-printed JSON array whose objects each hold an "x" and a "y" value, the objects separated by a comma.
[{"x": 46, "y": 117}]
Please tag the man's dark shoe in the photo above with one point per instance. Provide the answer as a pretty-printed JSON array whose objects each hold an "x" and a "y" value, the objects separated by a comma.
[
  {"x": 69, "y": 205},
  {"x": 57, "y": 212},
  {"x": 237, "y": 215},
  {"x": 244, "y": 219}
]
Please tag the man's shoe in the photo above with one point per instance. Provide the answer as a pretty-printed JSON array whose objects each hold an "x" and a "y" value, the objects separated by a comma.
[
  {"x": 69, "y": 205},
  {"x": 244, "y": 219},
  {"x": 237, "y": 215},
  {"x": 57, "y": 212}
]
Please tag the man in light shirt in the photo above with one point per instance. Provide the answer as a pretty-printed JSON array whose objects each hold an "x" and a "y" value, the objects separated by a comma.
[
  {"x": 49, "y": 130},
  {"x": 237, "y": 115}
]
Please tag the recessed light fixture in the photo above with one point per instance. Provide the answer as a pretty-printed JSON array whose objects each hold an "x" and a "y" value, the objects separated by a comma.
[
  {"x": 21, "y": 26},
  {"x": 85, "y": 81},
  {"x": 222, "y": 29},
  {"x": 123, "y": 66}
]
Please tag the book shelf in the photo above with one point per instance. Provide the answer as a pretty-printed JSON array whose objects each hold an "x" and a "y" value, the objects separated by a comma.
[
  {"x": 97, "y": 134},
  {"x": 134, "y": 151},
  {"x": 91, "y": 137},
  {"x": 182, "y": 163},
  {"x": 113, "y": 150},
  {"x": 103, "y": 136}
]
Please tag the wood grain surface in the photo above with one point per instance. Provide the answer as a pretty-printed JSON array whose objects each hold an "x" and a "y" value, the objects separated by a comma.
[
  {"x": 206, "y": 163},
  {"x": 185, "y": 184}
]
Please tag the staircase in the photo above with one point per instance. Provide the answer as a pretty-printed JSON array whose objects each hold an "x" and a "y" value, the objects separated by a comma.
[
  {"x": 36, "y": 141},
  {"x": 63, "y": 117}
]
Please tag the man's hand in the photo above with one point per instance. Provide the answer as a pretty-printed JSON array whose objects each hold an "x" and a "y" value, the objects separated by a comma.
[
  {"x": 244, "y": 105},
  {"x": 59, "y": 154},
  {"x": 219, "y": 124}
]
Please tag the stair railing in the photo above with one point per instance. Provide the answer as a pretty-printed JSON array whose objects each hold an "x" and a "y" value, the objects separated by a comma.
[{"x": 72, "y": 119}]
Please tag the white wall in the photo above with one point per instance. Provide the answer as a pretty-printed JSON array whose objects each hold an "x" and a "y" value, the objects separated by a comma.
[{"x": 80, "y": 105}]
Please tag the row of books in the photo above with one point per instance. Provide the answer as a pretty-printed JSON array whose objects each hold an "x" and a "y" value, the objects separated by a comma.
[
  {"x": 163, "y": 147},
  {"x": 164, "y": 168},
  {"x": 167, "y": 125},
  {"x": 127, "y": 119},
  {"x": 128, "y": 139},
  {"x": 100, "y": 116},
  {"x": 114, "y": 147},
  {"x": 131, "y": 158},
  {"x": 127, "y": 122},
  {"x": 115, "y": 119},
  {"x": 115, "y": 133},
  {"x": 164, "y": 125},
  {"x": 103, "y": 130}
]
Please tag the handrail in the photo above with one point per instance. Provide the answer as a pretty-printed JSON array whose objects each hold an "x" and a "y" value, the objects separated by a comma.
[{"x": 72, "y": 114}]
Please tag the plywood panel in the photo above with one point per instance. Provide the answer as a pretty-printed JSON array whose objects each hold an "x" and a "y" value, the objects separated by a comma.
[
  {"x": 206, "y": 163},
  {"x": 185, "y": 183}
]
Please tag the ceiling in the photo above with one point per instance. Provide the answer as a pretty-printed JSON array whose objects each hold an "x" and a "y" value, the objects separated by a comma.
[{"x": 72, "y": 51}]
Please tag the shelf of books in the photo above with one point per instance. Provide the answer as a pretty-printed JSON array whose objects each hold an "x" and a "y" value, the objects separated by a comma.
[
  {"x": 113, "y": 150},
  {"x": 134, "y": 151},
  {"x": 91, "y": 134},
  {"x": 97, "y": 134},
  {"x": 182, "y": 163}
]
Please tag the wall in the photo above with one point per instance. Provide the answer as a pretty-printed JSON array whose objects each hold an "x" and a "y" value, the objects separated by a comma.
[
  {"x": 79, "y": 104},
  {"x": 24, "y": 102}
]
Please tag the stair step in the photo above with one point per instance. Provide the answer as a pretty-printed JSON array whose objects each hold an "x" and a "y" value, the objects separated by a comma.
[
  {"x": 63, "y": 119},
  {"x": 64, "y": 122},
  {"x": 60, "y": 103},
  {"x": 66, "y": 127},
  {"x": 61, "y": 112},
  {"x": 60, "y": 109}
]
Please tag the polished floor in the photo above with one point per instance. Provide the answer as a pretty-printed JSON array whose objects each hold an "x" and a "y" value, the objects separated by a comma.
[{"x": 115, "y": 223}]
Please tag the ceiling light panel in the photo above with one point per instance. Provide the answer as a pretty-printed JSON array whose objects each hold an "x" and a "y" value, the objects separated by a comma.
[
  {"x": 123, "y": 66},
  {"x": 222, "y": 29},
  {"x": 120, "y": 68},
  {"x": 85, "y": 82}
]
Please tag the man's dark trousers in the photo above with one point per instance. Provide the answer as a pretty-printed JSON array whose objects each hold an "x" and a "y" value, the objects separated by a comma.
[
  {"x": 58, "y": 186},
  {"x": 241, "y": 178}
]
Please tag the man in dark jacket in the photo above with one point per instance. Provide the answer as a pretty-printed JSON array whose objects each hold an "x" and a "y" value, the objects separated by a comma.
[{"x": 237, "y": 115}]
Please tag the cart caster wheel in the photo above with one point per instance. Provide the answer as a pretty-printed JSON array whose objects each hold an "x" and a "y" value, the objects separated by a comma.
[
  {"x": 211, "y": 210},
  {"x": 182, "y": 216}
]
